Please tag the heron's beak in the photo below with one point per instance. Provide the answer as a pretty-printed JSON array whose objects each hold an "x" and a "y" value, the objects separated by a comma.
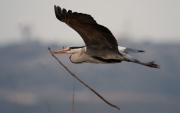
[{"x": 61, "y": 51}]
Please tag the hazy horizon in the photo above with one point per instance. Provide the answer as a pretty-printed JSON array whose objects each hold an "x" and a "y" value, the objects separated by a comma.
[{"x": 31, "y": 79}]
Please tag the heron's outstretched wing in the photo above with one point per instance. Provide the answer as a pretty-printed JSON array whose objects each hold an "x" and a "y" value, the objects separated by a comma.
[{"x": 94, "y": 35}]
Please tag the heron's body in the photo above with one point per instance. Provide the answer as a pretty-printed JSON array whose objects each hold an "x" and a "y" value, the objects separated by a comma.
[
  {"x": 82, "y": 57},
  {"x": 101, "y": 46}
]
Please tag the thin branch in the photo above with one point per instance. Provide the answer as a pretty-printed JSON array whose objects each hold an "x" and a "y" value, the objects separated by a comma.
[
  {"x": 48, "y": 106},
  {"x": 15, "y": 99},
  {"x": 73, "y": 95},
  {"x": 112, "y": 105}
]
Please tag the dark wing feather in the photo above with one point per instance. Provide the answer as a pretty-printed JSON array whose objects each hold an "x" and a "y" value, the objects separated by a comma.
[{"x": 94, "y": 35}]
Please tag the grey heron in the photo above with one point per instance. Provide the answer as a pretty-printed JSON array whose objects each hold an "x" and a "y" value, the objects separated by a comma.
[{"x": 101, "y": 46}]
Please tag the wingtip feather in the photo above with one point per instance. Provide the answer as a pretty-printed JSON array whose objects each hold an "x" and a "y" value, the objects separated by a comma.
[{"x": 141, "y": 51}]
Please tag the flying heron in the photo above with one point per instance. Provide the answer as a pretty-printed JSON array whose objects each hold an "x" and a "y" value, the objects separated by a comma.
[{"x": 101, "y": 46}]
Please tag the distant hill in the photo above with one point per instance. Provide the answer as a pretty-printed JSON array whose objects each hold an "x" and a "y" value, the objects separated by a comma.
[{"x": 30, "y": 78}]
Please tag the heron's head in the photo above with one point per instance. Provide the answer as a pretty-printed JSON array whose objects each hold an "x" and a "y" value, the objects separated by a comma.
[{"x": 68, "y": 50}]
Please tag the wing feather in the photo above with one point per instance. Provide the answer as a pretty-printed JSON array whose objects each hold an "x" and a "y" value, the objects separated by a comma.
[{"x": 94, "y": 35}]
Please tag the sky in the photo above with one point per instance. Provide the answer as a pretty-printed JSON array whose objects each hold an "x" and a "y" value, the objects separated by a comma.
[{"x": 141, "y": 20}]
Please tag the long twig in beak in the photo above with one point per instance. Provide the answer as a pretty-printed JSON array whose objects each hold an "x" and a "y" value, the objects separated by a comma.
[{"x": 112, "y": 105}]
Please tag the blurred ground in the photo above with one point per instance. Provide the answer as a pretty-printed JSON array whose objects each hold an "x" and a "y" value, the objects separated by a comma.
[{"x": 31, "y": 79}]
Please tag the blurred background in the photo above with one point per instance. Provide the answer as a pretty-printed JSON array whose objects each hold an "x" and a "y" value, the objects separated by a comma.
[{"x": 31, "y": 80}]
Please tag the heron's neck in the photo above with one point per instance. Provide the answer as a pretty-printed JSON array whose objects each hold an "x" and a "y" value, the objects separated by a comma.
[{"x": 76, "y": 57}]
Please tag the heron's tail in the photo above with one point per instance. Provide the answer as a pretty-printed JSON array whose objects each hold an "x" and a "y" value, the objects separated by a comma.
[
  {"x": 149, "y": 64},
  {"x": 129, "y": 58}
]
